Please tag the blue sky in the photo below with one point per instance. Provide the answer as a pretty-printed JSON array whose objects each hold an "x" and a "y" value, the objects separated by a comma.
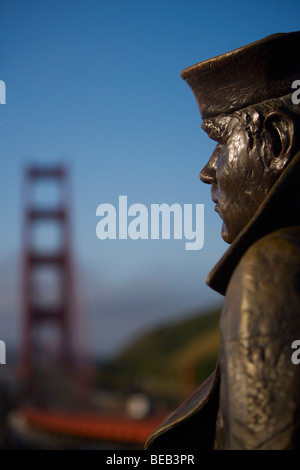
[{"x": 96, "y": 84}]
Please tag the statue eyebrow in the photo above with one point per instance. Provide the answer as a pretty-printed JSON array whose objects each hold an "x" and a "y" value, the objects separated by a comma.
[
  {"x": 213, "y": 130},
  {"x": 219, "y": 128}
]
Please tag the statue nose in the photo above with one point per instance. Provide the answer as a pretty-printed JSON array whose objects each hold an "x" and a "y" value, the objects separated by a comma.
[
  {"x": 205, "y": 177},
  {"x": 208, "y": 173}
]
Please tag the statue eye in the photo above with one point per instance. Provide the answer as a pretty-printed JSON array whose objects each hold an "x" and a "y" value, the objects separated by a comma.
[{"x": 221, "y": 138}]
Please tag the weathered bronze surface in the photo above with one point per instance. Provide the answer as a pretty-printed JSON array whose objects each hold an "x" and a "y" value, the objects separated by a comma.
[{"x": 252, "y": 400}]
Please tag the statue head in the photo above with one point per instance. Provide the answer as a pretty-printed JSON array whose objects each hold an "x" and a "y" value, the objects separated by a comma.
[{"x": 245, "y": 98}]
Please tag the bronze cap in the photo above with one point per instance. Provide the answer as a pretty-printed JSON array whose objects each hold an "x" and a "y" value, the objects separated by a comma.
[{"x": 246, "y": 76}]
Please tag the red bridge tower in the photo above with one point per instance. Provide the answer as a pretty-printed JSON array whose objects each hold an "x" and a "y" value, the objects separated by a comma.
[{"x": 49, "y": 307}]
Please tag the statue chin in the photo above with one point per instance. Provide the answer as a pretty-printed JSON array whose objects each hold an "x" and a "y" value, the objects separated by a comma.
[
  {"x": 229, "y": 234},
  {"x": 225, "y": 235}
]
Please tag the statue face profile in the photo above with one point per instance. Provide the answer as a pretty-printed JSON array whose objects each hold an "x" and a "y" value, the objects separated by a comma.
[
  {"x": 243, "y": 167},
  {"x": 236, "y": 175}
]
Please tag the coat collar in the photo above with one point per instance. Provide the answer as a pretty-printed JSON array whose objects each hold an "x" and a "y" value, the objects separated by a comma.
[
  {"x": 279, "y": 209},
  {"x": 198, "y": 401}
]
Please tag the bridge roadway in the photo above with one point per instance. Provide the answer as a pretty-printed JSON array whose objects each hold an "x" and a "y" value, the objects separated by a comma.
[{"x": 36, "y": 428}]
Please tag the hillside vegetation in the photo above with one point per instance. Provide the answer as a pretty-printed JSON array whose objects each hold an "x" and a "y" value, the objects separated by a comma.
[{"x": 167, "y": 362}]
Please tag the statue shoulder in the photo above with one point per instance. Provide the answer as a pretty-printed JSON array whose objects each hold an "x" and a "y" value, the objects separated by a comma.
[
  {"x": 274, "y": 258},
  {"x": 285, "y": 242},
  {"x": 263, "y": 295}
]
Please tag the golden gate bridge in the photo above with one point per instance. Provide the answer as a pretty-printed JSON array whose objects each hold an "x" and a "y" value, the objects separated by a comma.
[{"x": 55, "y": 408}]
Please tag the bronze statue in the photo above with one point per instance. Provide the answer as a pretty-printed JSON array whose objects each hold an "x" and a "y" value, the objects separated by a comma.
[{"x": 252, "y": 400}]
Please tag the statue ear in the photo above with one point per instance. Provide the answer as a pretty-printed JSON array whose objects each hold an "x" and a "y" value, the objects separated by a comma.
[{"x": 281, "y": 136}]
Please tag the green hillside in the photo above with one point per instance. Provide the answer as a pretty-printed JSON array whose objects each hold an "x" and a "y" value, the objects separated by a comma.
[{"x": 167, "y": 362}]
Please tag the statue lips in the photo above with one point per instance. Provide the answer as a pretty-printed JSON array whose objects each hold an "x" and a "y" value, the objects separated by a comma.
[
  {"x": 217, "y": 206},
  {"x": 218, "y": 210}
]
